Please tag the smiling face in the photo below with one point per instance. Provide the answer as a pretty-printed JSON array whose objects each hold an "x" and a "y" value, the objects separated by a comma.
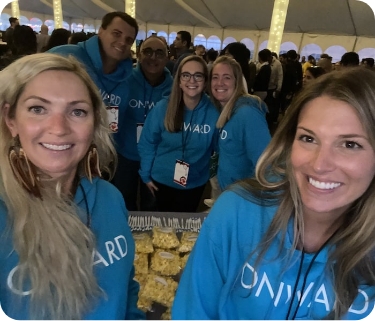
[
  {"x": 191, "y": 88},
  {"x": 332, "y": 158},
  {"x": 54, "y": 119},
  {"x": 154, "y": 64},
  {"x": 117, "y": 40},
  {"x": 223, "y": 82}
]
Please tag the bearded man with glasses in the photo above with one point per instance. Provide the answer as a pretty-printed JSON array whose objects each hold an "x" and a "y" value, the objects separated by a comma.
[{"x": 149, "y": 82}]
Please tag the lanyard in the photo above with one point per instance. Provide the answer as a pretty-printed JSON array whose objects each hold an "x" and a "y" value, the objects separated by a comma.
[
  {"x": 184, "y": 139},
  {"x": 108, "y": 92},
  {"x": 305, "y": 277}
]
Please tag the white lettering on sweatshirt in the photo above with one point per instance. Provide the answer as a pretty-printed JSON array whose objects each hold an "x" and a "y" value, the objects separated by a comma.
[{"x": 116, "y": 249}]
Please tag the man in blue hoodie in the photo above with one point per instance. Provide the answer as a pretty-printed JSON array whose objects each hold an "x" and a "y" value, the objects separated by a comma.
[
  {"x": 107, "y": 58},
  {"x": 149, "y": 82}
]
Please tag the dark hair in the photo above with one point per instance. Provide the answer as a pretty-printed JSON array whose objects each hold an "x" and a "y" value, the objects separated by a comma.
[
  {"x": 58, "y": 37},
  {"x": 316, "y": 71},
  {"x": 241, "y": 54},
  {"x": 350, "y": 58},
  {"x": 369, "y": 61},
  {"x": 12, "y": 19},
  {"x": 274, "y": 54},
  {"x": 24, "y": 40},
  {"x": 107, "y": 19},
  {"x": 310, "y": 57},
  {"x": 291, "y": 54},
  {"x": 265, "y": 55},
  {"x": 185, "y": 36},
  {"x": 212, "y": 54},
  {"x": 77, "y": 37}
]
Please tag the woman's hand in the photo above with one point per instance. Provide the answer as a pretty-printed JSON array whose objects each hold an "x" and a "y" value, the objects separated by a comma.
[{"x": 152, "y": 187}]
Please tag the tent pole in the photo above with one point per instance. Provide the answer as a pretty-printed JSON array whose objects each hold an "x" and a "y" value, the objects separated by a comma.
[
  {"x": 355, "y": 43},
  {"x": 222, "y": 38},
  {"x": 300, "y": 43}
]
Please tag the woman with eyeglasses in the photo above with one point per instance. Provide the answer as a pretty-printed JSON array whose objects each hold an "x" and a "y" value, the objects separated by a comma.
[
  {"x": 178, "y": 139},
  {"x": 242, "y": 123}
]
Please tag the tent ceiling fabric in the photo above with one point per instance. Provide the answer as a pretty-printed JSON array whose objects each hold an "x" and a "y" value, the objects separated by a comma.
[{"x": 338, "y": 17}]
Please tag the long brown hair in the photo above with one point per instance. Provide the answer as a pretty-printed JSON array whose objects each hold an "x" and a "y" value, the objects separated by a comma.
[
  {"x": 175, "y": 110},
  {"x": 352, "y": 256}
]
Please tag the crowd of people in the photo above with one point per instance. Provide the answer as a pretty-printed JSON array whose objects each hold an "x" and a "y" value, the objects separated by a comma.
[{"x": 90, "y": 132}]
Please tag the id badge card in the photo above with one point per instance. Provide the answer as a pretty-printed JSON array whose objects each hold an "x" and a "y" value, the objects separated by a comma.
[
  {"x": 112, "y": 113},
  {"x": 181, "y": 172},
  {"x": 139, "y": 131}
]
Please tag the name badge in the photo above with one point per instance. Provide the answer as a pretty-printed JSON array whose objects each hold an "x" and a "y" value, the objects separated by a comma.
[
  {"x": 112, "y": 113},
  {"x": 139, "y": 131},
  {"x": 181, "y": 173}
]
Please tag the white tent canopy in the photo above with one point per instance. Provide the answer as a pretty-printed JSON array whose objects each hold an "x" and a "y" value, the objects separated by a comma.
[{"x": 312, "y": 26}]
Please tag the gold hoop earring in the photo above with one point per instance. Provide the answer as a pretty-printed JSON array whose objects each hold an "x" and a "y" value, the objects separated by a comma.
[
  {"x": 91, "y": 163},
  {"x": 23, "y": 170}
]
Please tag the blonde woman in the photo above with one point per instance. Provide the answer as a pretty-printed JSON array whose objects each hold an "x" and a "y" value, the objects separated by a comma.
[
  {"x": 243, "y": 128},
  {"x": 66, "y": 248},
  {"x": 178, "y": 139},
  {"x": 297, "y": 242}
]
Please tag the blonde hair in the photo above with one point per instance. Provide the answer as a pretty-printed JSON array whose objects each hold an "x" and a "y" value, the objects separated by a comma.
[
  {"x": 174, "y": 116},
  {"x": 352, "y": 257},
  {"x": 54, "y": 247},
  {"x": 239, "y": 90}
]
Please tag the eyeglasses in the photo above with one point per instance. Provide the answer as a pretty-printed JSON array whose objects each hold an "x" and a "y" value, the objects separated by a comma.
[
  {"x": 149, "y": 52},
  {"x": 198, "y": 76}
]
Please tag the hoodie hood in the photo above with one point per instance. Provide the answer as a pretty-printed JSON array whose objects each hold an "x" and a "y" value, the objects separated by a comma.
[
  {"x": 251, "y": 101},
  {"x": 92, "y": 49}
]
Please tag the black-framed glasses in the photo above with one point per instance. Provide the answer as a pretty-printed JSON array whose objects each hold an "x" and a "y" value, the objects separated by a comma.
[
  {"x": 198, "y": 76},
  {"x": 159, "y": 53}
]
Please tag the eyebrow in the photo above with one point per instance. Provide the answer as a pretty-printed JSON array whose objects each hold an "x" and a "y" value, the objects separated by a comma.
[
  {"x": 216, "y": 74},
  {"x": 341, "y": 136},
  {"x": 74, "y": 102}
]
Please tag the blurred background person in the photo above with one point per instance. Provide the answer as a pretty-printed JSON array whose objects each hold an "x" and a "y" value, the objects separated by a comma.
[
  {"x": 58, "y": 37},
  {"x": 239, "y": 52},
  {"x": 312, "y": 73},
  {"x": 42, "y": 38},
  {"x": 77, "y": 37}
]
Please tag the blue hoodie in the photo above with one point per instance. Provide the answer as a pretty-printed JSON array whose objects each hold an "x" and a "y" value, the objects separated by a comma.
[
  {"x": 113, "y": 258},
  {"x": 142, "y": 98},
  {"x": 159, "y": 149},
  {"x": 221, "y": 282},
  {"x": 242, "y": 140},
  {"x": 112, "y": 87}
]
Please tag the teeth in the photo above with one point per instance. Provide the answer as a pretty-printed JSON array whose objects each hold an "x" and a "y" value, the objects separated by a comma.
[
  {"x": 57, "y": 147},
  {"x": 118, "y": 49},
  {"x": 322, "y": 185},
  {"x": 220, "y": 90}
]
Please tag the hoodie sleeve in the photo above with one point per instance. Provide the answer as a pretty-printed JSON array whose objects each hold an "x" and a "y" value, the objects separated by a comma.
[
  {"x": 150, "y": 139},
  {"x": 255, "y": 132}
]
